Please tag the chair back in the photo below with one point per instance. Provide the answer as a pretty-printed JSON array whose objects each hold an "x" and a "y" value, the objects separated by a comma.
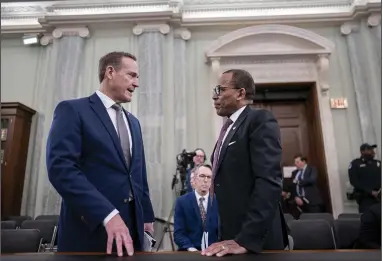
[
  {"x": 19, "y": 219},
  {"x": 49, "y": 217},
  {"x": 311, "y": 234},
  {"x": 346, "y": 232},
  {"x": 323, "y": 216},
  {"x": 47, "y": 228},
  {"x": 349, "y": 215},
  {"x": 8, "y": 224},
  {"x": 20, "y": 240}
]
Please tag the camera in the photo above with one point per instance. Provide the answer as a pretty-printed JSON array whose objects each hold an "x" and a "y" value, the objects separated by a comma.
[{"x": 184, "y": 160}]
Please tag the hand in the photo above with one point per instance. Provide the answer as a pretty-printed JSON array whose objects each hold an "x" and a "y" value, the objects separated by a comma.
[
  {"x": 149, "y": 228},
  {"x": 299, "y": 201},
  {"x": 284, "y": 194},
  {"x": 117, "y": 230},
  {"x": 375, "y": 193},
  {"x": 224, "y": 248}
]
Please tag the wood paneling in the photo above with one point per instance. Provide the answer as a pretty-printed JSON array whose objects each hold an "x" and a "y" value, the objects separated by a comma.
[{"x": 16, "y": 119}]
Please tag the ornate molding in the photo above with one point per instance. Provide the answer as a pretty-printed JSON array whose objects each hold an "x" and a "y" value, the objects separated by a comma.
[
  {"x": 83, "y": 32},
  {"x": 46, "y": 39},
  {"x": 182, "y": 33},
  {"x": 43, "y": 16},
  {"x": 323, "y": 66},
  {"x": 141, "y": 28},
  {"x": 349, "y": 27},
  {"x": 374, "y": 19}
]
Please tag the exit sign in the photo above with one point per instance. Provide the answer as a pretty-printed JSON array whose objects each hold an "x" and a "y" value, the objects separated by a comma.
[{"x": 339, "y": 103}]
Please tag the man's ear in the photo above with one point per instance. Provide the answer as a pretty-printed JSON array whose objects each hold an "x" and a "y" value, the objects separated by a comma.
[
  {"x": 241, "y": 94},
  {"x": 109, "y": 72}
]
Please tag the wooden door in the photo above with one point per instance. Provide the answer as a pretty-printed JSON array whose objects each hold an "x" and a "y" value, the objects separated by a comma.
[{"x": 292, "y": 121}]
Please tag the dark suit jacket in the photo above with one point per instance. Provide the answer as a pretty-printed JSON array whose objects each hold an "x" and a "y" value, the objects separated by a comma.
[
  {"x": 370, "y": 235},
  {"x": 86, "y": 166},
  {"x": 188, "y": 223},
  {"x": 309, "y": 184},
  {"x": 248, "y": 183}
]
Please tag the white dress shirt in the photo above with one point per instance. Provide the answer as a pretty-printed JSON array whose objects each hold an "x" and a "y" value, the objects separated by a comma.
[
  {"x": 234, "y": 117},
  {"x": 108, "y": 103},
  {"x": 204, "y": 203}
]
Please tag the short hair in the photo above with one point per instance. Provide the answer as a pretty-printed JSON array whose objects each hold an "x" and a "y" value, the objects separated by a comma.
[
  {"x": 204, "y": 154},
  {"x": 196, "y": 168},
  {"x": 112, "y": 59},
  {"x": 243, "y": 79},
  {"x": 302, "y": 158}
]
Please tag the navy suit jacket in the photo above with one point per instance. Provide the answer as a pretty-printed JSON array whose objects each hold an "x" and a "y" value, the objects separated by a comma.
[
  {"x": 86, "y": 166},
  {"x": 188, "y": 228}
]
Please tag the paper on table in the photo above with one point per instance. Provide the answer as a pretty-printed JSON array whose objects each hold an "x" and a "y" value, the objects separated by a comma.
[{"x": 204, "y": 241}]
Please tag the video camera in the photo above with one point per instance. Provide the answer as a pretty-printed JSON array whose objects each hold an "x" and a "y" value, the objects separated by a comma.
[{"x": 184, "y": 160}]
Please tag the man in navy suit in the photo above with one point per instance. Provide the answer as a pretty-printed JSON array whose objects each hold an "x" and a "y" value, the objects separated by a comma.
[
  {"x": 194, "y": 213},
  {"x": 95, "y": 160}
]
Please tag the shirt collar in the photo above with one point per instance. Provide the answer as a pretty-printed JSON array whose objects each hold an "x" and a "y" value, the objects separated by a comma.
[
  {"x": 199, "y": 196},
  {"x": 236, "y": 114},
  {"x": 108, "y": 102}
]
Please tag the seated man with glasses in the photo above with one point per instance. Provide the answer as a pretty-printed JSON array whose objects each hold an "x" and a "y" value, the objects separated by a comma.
[
  {"x": 199, "y": 158},
  {"x": 195, "y": 214}
]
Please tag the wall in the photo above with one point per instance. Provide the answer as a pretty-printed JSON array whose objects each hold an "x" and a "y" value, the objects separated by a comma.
[{"x": 21, "y": 65}]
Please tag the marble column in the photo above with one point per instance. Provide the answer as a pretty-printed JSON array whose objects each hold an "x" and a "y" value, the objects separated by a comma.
[
  {"x": 181, "y": 35},
  {"x": 150, "y": 108},
  {"x": 67, "y": 46},
  {"x": 360, "y": 79}
]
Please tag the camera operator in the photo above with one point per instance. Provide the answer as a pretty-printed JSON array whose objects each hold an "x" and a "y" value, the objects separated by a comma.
[{"x": 199, "y": 158}]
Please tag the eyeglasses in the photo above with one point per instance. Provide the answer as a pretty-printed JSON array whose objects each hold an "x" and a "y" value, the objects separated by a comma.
[
  {"x": 203, "y": 176},
  {"x": 219, "y": 88}
]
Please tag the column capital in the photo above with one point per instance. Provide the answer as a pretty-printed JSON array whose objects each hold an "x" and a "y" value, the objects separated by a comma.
[
  {"x": 374, "y": 19},
  {"x": 83, "y": 32},
  {"x": 182, "y": 33},
  {"x": 46, "y": 39},
  {"x": 141, "y": 28},
  {"x": 349, "y": 27}
]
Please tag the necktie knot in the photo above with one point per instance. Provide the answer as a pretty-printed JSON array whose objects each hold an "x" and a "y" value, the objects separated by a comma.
[
  {"x": 227, "y": 123},
  {"x": 201, "y": 199},
  {"x": 117, "y": 107}
]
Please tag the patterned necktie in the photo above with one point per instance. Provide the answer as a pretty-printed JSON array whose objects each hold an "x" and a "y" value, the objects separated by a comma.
[
  {"x": 202, "y": 211},
  {"x": 123, "y": 134},
  {"x": 300, "y": 191},
  {"x": 217, "y": 150}
]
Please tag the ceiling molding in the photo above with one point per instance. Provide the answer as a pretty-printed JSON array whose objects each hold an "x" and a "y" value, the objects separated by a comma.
[{"x": 45, "y": 16}]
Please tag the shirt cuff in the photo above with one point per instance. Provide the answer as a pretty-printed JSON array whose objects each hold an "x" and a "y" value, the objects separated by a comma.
[
  {"x": 192, "y": 249},
  {"x": 110, "y": 216}
]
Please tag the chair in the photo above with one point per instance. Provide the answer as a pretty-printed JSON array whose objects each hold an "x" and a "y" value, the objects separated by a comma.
[
  {"x": 19, "y": 219},
  {"x": 47, "y": 228},
  {"x": 346, "y": 232},
  {"x": 349, "y": 215},
  {"x": 323, "y": 216},
  {"x": 288, "y": 217},
  {"x": 20, "y": 240},
  {"x": 9, "y": 224},
  {"x": 311, "y": 234},
  {"x": 48, "y": 217}
]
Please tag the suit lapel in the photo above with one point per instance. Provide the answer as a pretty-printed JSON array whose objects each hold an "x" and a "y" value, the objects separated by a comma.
[
  {"x": 230, "y": 135},
  {"x": 99, "y": 109},
  {"x": 195, "y": 206}
]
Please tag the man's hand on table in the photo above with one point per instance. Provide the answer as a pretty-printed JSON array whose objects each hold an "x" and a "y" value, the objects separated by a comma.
[
  {"x": 223, "y": 248},
  {"x": 118, "y": 231}
]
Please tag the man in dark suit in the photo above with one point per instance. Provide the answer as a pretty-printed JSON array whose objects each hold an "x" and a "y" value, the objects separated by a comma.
[
  {"x": 247, "y": 171},
  {"x": 304, "y": 189},
  {"x": 95, "y": 160},
  {"x": 370, "y": 234},
  {"x": 195, "y": 213}
]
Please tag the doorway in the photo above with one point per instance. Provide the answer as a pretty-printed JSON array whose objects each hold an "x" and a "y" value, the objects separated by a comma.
[{"x": 296, "y": 108}]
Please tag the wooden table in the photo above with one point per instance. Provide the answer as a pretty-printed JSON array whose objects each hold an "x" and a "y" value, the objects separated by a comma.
[{"x": 325, "y": 255}]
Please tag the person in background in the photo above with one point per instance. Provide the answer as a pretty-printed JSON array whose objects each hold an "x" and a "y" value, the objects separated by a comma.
[
  {"x": 365, "y": 174},
  {"x": 370, "y": 235},
  {"x": 95, "y": 160},
  {"x": 195, "y": 213},
  {"x": 304, "y": 189},
  {"x": 199, "y": 158}
]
